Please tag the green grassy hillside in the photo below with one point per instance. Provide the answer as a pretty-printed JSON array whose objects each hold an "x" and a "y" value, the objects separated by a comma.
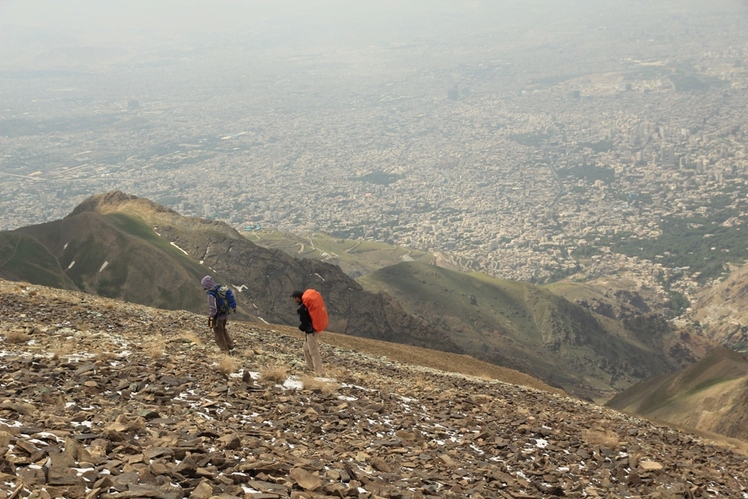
[
  {"x": 356, "y": 258},
  {"x": 114, "y": 255},
  {"x": 22, "y": 257},
  {"x": 527, "y": 327},
  {"x": 710, "y": 395}
]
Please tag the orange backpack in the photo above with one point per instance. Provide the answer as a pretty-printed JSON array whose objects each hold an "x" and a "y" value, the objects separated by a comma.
[{"x": 317, "y": 311}]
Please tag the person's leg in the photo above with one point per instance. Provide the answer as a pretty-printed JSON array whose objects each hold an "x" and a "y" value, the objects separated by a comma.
[
  {"x": 314, "y": 358},
  {"x": 307, "y": 354},
  {"x": 229, "y": 341},
  {"x": 219, "y": 332}
]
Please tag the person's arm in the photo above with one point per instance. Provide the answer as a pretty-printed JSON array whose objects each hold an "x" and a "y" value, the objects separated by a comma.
[
  {"x": 212, "y": 309},
  {"x": 306, "y": 320},
  {"x": 231, "y": 299}
]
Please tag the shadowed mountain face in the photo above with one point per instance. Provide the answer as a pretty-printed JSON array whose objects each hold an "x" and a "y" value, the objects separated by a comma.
[
  {"x": 710, "y": 395},
  {"x": 528, "y": 328},
  {"x": 124, "y": 247}
]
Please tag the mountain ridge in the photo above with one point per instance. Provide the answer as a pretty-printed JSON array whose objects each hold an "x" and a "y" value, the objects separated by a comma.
[{"x": 131, "y": 227}]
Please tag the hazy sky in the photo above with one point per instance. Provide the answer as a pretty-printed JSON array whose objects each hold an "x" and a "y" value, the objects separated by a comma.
[
  {"x": 207, "y": 15},
  {"x": 34, "y": 32},
  {"x": 229, "y": 15}
]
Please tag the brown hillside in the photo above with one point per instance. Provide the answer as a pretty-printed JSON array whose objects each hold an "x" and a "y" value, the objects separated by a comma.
[
  {"x": 710, "y": 395},
  {"x": 103, "y": 399}
]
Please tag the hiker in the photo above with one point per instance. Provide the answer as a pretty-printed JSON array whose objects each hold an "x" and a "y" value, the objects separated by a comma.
[
  {"x": 220, "y": 304},
  {"x": 313, "y": 317}
]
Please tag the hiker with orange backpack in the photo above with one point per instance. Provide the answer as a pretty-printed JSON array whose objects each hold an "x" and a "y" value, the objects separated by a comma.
[{"x": 313, "y": 316}]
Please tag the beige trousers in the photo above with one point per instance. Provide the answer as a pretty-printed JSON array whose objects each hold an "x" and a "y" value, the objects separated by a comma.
[{"x": 311, "y": 353}]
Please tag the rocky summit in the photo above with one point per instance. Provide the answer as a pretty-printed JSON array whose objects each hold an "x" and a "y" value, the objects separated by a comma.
[{"x": 104, "y": 399}]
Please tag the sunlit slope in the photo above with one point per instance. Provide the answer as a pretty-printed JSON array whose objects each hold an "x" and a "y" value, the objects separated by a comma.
[
  {"x": 611, "y": 296},
  {"x": 356, "y": 258},
  {"x": 527, "y": 327},
  {"x": 114, "y": 255},
  {"x": 23, "y": 257},
  {"x": 710, "y": 395}
]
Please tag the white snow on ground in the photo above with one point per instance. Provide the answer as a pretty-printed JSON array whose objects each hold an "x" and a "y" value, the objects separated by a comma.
[
  {"x": 157, "y": 233},
  {"x": 71, "y": 265},
  {"x": 180, "y": 249},
  {"x": 103, "y": 266},
  {"x": 319, "y": 276},
  {"x": 65, "y": 247},
  {"x": 253, "y": 374},
  {"x": 293, "y": 383},
  {"x": 263, "y": 320},
  {"x": 241, "y": 287}
]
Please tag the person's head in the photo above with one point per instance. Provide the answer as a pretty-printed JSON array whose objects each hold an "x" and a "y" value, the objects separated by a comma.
[
  {"x": 296, "y": 295},
  {"x": 208, "y": 282}
]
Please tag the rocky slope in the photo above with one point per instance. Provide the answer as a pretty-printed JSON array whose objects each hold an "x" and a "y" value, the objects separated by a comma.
[
  {"x": 101, "y": 399},
  {"x": 614, "y": 297},
  {"x": 722, "y": 310}
]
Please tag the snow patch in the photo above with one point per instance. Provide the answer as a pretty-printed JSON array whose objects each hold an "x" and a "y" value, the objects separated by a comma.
[
  {"x": 71, "y": 265},
  {"x": 263, "y": 320},
  {"x": 180, "y": 249},
  {"x": 103, "y": 266},
  {"x": 241, "y": 287},
  {"x": 65, "y": 247},
  {"x": 319, "y": 276},
  {"x": 293, "y": 383}
]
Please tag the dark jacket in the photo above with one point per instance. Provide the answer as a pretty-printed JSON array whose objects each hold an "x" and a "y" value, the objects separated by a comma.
[{"x": 305, "y": 318}]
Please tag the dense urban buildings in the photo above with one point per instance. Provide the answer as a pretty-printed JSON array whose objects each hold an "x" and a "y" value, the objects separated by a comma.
[{"x": 532, "y": 149}]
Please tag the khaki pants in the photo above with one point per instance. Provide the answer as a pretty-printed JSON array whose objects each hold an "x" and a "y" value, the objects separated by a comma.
[
  {"x": 311, "y": 353},
  {"x": 221, "y": 335}
]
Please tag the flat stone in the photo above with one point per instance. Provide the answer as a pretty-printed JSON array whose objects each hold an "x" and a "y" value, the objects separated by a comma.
[
  {"x": 305, "y": 479},
  {"x": 650, "y": 465}
]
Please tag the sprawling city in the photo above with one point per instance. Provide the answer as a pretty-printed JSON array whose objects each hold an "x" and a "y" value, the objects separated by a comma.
[{"x": 534, "y": 149}]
